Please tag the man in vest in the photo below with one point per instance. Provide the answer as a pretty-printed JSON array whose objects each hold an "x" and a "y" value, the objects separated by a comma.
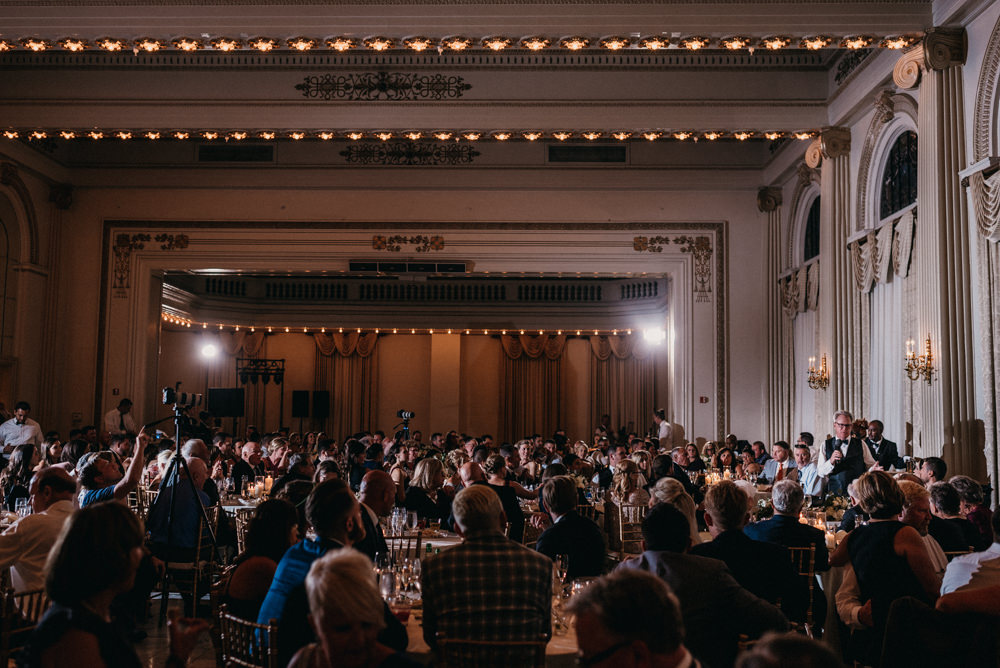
[{"x": 843, "y": 457}]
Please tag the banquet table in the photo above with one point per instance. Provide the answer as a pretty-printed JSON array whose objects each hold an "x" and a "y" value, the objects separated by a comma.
[
  {"x": 443, "y": 541},
  {"x": 559, "y": 653}
]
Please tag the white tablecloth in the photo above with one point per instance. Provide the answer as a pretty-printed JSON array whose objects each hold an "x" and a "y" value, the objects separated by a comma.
[{"x": 559, "y": 653}]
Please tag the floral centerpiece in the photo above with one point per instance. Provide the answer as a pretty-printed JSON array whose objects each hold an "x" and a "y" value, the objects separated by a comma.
[
  {"x": 761, "y": 510},
  {"x": 835, "y": 507}
]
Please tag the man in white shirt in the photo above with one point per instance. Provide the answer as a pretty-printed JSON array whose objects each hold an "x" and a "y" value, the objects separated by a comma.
[
  {"x": 809, "y": 477},
  {"x": 119, "y": 421},
  {"x": 664, "y": 431},
  {"x": 979, "y": 569},
  {"x": 20, "y": 429},
  {"x": 25, "y": 546},
  {"x": 844, "y": 457}
]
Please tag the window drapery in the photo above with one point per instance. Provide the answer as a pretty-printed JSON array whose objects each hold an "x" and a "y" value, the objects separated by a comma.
[
  {"x": 347, "y": 366},
  {"x": 622, "y": 382},
  {"x": 532, "y": 397}
]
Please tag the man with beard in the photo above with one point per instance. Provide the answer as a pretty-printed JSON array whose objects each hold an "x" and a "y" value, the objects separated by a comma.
[{"x": 335, "y": 515}]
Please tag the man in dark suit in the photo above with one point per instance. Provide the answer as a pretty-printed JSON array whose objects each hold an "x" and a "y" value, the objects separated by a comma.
[
  {"x": 577, "y": 537},
  {"x": 764, "y": 569},
  {"x": 714, "y": 607},
  {"x": 785, "y": 529},
  {"x": 844, "y": 457},
  {"x": 378, "y": 493},
  {"x": 883, "y": 451},
  {"x": 606, "y": 475}
]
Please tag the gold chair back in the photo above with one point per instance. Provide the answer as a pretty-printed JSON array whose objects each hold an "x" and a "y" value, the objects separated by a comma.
[
  {"x": 804, "y": 561},
  {"x": 192, "y": 578},
  {"x": 453, "y": 653},
  {"x": 630, "y": 518},
  {"x": 21, "y": 612},
  {"x": 246, "y": 644},
  {"x": 951, "y": 554}
]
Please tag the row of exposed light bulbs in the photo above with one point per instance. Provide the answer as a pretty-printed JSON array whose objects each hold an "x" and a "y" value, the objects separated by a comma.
[
  {"x": 271, "y": 329},
  {"x": 459, "y": 43},
  {"x": 386, "y": 135}
]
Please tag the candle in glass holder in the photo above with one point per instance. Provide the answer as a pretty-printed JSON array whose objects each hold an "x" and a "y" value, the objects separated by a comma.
[{"x": 268, "y": 483}]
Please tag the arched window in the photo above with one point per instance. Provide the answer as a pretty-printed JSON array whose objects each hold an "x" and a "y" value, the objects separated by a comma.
[
  {"x": 810, "y": 245},
  {"x": 899, "y": 178}
]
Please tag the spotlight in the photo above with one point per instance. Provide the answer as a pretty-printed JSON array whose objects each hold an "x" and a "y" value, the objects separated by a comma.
[
  {"x": 654, "y": 335},
  {"x": 209, "y": 350}
]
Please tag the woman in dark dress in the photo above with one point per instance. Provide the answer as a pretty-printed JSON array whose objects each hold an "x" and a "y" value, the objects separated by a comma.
[
  {"x": 424, "y": 494},
  {"x": 94, "y": 560},
  {"x": 273, "y": 529},
  {"x": 889, "y": 559},
  {"x": 495, "y": 469}
]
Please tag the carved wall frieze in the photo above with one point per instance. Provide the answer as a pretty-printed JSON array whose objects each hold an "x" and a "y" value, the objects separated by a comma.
[
  {"x": 984, "y": 128},
  {"x": 376, "y": 86},
  {"x": 850, "y": 62},
  {"x": 126, "y": 244},
  {"x": 885, "y": 107},
  {"x": 835, "y": 142},
  {"x": 768, "y": 199},
  {"x": 409, "y": 154},
  {"x": 395, "y": 243},
  {"x": 699, "y": 247}
]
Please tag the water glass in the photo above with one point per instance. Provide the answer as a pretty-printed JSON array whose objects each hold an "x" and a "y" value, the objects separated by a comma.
[
  {"x": 562, "y": 565},
  {"x": 387, "y": 584},
  {"x": 22, "y": 507},
  {"x": 413, "y": 520}
]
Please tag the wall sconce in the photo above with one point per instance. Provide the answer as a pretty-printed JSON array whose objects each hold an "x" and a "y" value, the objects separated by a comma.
[
  {"x": 918, "y": 366},
  {"x": 819, "y": 379}
]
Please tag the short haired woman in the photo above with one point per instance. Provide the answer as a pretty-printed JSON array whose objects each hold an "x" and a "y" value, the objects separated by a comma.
[
  {"x": 94, "y": 560},
  {"x": 424, "y": 494}
]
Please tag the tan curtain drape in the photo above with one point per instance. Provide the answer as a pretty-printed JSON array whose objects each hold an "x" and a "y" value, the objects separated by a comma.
[
  {"x": 622, "y": 382},
  {"x": 222, "y": 371},
  {"x": 531, "y": 396},
  {"x": 347, "y": 366}
]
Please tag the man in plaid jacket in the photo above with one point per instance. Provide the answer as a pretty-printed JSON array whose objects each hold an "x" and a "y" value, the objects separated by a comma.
[{"x": 487, "y": 588}]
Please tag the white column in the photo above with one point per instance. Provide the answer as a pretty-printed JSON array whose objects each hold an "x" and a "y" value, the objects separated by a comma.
[
  {"x": 946, "y": 419},
  {"x": 778, "y": 390},
  {"x": 840, "y": 321}
]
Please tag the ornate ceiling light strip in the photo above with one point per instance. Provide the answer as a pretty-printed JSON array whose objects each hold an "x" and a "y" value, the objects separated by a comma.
[
  {"x": 239, "y": 135},
  {"x": 184, "y": 322},
  {"x": 456, "y": 43}
]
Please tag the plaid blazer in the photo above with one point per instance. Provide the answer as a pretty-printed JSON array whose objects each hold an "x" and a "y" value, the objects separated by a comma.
[{"x": 488, "y": 588}]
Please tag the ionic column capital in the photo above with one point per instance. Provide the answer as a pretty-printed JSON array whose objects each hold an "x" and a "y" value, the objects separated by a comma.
[
  {"x": 768, "y": 199},
  {"x": 835, "y": 142},
  {"x": 940, "y": 49}
]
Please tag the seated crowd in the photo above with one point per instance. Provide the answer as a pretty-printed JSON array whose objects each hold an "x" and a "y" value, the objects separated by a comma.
[{"x": 720, "y": 559}]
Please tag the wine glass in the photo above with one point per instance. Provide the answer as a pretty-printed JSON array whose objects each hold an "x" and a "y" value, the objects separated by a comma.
[
  {"x": 387, "y": 584},
  {"x": 562, "y": 565},
  {"x": 413, "y": 520},
  {"x": 808, "y": 500}
]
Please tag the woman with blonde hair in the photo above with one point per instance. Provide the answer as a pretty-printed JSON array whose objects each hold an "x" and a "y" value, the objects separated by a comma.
[
  {"x": 625, "y": 487},
  {"x": 671, "y": 491},
  {"x": 644, "y": 462},
  {"x": 424, "y": 494},
  {"x": 452, "y": 463}
]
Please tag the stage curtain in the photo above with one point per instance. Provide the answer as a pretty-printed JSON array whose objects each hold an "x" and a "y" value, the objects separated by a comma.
[
  {"x": 622, "y": 382},
  {"x": 347, "y": 366},
  {"x": 531, "y": 397}
]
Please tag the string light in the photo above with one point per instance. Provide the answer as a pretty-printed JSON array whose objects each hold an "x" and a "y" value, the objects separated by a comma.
[
  {"x": 73, "y": 44},
  {"x": 574, "y": 43},
  {"x": 535, "y": 43},
  {"x": 456, "y": 43},
  {"x": 654, "y": 43},
  {"x": 379, "y": 43},
  {"x": 775, "y": 42},
  {"x": 262, "y": 44},
  {"x": 417, "y": 43},
  {"x": 615, "y": 43},
  {"x": 226, "y": 44},
  {"x": 301, "y": 43},
  {"x": 497, "y": 42},
  {"x": 855, "y": 42},
  {"x": 342, "y": 44},
  {"x": 36, "y": 44}
]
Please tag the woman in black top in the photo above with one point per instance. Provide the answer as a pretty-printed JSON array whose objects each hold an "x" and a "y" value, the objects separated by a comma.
[
  {"x": 495, "y": 469},
  {"x": 425, "y": 495},
  {"x": 889, "y": 558},
  {"x": 94, "y": 560}
]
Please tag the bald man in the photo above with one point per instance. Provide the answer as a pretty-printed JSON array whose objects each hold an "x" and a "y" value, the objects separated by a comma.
[
  {"x": 377, "y": 495},
  {"x": 25, "y": 546},
  {"x": 177, "y": 542},
  {"x": 248, "y": 467}
]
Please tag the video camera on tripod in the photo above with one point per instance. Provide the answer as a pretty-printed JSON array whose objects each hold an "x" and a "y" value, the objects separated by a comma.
[{"x": 172, "y": 395}]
